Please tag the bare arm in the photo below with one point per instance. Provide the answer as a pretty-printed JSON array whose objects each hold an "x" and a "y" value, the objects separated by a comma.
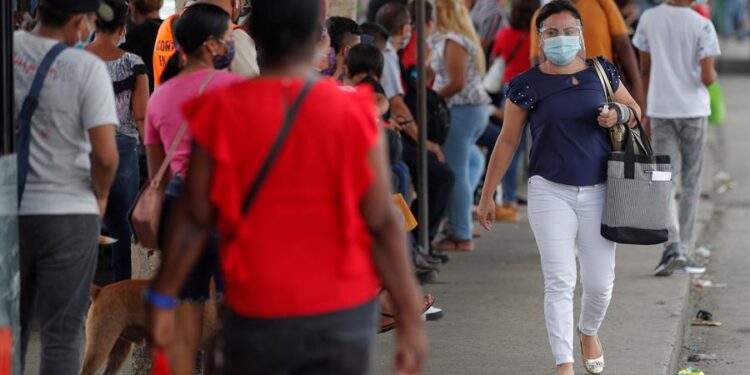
[
  {"x": 646, "y": 78},
  {"x": 708, "y": 71},
  {"x": 155, "y": 157},
  {"x": 391, "y": 258},
  {"x": 456, "y": 62},
  {"x": 190, "y": 224},
  {"x": 104, "y": 160},
  {"x": 626, "y": 55},
  {"x": 139, "y": 101}
]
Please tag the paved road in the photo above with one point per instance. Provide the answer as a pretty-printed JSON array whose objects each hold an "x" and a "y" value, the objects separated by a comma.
[{"x": 729, "y": 260}]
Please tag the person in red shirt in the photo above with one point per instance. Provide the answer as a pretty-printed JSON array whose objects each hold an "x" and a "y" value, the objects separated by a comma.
[
  {"x": 302, "y": 267},
  {"x": 512, "y": 44}
]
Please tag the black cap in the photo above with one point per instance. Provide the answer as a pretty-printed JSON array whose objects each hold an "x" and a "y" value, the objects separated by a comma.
[{"x": 72, "y": 6}]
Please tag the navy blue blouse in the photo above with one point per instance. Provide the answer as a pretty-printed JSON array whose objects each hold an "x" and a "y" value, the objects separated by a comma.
[{"x": 568, "y": 145}]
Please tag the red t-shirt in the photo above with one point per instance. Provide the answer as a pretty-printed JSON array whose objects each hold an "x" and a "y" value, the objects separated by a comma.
[
  {"x": 303, "y": 248},
  {"x": 514, "y": 46}
]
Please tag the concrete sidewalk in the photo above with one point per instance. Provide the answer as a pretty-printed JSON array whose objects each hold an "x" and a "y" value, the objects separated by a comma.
[
  {"x": 494, "y": 322},
  {"x": 494, "y": 307}
]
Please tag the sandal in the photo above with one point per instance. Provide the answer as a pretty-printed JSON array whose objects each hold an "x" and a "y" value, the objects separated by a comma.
[
  {"x": 388, "y": 320},
  {"x": 454, "y": 244}
]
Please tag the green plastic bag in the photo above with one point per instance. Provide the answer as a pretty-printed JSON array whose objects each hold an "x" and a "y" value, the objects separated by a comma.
[{"x": 718, "y": 105}]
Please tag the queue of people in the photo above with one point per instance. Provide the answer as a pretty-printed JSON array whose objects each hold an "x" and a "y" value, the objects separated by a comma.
[{"x": 231, "y": 110}]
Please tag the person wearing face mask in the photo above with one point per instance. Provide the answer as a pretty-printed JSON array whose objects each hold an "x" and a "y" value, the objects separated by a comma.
[
  {"x": 245, "y": 62},
  {"x": 320, "y": 61},
  {"x": 205, "y": 49},
  {"x": 678, "y": 49},
  {"x": 344, "y": 34},
  {"x": 130, "y": 82},
  {"x": 302, "y": 303},
  {"x": 458, "y": 64},
  {"x": 394, "y": 17},
  {"x": 67, "y": 160},
  {"x": 563, "y": 102}
]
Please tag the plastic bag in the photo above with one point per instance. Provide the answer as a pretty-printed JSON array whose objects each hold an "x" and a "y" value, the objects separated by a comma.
[{"x": 718, "y": 105}]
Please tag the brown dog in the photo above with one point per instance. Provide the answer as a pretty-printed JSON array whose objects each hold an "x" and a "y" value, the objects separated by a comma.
[{"x": 117, "y": 319}]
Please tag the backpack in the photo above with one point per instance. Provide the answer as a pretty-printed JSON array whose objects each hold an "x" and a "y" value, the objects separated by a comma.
[{"x": 438, "y": 114}]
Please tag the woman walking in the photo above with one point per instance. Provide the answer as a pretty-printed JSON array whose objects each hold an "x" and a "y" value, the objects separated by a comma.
[
  {"x": 563, "y": 101},
  {"x": 302, "y": 261},
  {"x": 205, "y": 46},
  {"x": 130, "y": 82},
  {"x": 459, "y": 64}
]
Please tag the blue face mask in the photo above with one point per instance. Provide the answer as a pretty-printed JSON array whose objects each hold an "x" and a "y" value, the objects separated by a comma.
[
  {"x": 82, "y": 43},
  {"x": 561, "y": 50},
  {"x": 222, "y": 62}
]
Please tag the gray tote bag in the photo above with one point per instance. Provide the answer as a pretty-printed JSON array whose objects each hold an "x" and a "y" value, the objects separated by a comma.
[{"x": 639, "y": 187}]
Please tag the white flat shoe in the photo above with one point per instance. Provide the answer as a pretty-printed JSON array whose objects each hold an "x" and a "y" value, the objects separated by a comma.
[{"x": 593, "y": 366}]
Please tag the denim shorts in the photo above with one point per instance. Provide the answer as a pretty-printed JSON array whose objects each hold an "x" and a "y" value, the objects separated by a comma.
[{"x": 197, "y": 285}]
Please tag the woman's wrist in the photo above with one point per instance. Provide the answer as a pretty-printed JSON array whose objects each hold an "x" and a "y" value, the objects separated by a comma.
[{"x": 159, "y": 300}]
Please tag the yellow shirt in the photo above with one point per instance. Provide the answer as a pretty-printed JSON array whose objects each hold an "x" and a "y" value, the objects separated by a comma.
[{"x": 601, "y": 20}]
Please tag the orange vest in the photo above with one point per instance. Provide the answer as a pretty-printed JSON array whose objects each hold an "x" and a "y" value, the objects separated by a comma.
[{"x": 164, "y": 47}]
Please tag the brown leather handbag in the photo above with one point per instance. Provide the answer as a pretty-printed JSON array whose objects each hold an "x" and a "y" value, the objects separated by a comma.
[{"x": 146, "y": 213}]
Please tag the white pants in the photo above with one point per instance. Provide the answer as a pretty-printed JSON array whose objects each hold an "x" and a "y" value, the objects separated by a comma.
[{"x": 565, "y": 218}]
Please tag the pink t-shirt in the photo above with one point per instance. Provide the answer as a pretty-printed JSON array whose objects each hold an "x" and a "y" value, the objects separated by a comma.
[{"x": 164, "y": 114}]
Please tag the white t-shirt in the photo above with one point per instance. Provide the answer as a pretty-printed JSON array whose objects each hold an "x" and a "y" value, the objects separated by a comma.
[
  {"x": 77, "y": 96},
  {"x": 677, "y": 38},
  {"x": 391, "y": 79}
]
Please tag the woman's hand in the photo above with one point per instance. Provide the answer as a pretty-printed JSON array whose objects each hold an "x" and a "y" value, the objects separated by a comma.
[
  {"x": 607, "y": 117},
  {"x": 435, "y": 149},
  {"x": 486, "y": 213},
  {"x": 160, "y": 324}
]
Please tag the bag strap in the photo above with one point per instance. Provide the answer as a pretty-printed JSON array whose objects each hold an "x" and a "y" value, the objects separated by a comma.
[
  {"x": 517, "y": 48},
  {"x": 23, "y": 121},
  {"x": 177, "y": 139},
  {"x": 286, "y": 126},
  {"x": 606, "y": 85}
]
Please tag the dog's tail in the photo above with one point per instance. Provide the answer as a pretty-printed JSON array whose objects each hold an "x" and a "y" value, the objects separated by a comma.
[{"x": 94, "y": 292}]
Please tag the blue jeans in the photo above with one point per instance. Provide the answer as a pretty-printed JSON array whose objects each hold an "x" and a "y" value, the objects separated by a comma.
[
  {"x": 476, "y": 166},
  {"x": 510, "y": 179},
  {"x": 401, "y": 178},
  {"x": 467, "y": 124},
  {"x": 122, "y": 196},
  {"x": 734, "y": 18}
]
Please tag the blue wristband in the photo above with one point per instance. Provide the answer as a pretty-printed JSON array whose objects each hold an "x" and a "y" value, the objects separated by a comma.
[{"x": 159, "y": 300}]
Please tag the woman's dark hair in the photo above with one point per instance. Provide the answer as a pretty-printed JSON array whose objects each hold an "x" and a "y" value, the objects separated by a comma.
[
  {"x": 340, "y": 29},
  {"x": 284, "y": 29},
  {"x": 522, "y": 13},
  {"x": 147, "y": 6},
  {"x": 112, "y": 15},
  {"x": 556, "y": 7},
  {"x": 197, "y": 24},
  {"x": 364, "y": 58},
  {"x": 427, "y": 12}
]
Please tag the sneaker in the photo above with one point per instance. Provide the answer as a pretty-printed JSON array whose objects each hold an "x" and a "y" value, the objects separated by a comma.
[
  {"x": 671, "y": 260},
  {"x": 693, "y": 268},
  {"x": 433, "y": 313},
  {"x": 427, "y": 276}
]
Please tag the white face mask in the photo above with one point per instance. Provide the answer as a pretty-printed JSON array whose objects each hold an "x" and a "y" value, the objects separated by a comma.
[{"x": 700, "y": 2}]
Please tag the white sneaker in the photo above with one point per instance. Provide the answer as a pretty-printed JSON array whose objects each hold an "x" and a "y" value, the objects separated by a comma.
[{"x": 433, "y": 313}]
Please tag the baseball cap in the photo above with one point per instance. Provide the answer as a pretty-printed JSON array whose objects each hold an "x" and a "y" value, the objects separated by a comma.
[{"x": 72, "y": 6}]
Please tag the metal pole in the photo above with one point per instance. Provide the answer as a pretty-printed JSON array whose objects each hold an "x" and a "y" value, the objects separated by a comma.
[
  {"x": 6, "y": 69},
  {"x": 423, "y": 214}
]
